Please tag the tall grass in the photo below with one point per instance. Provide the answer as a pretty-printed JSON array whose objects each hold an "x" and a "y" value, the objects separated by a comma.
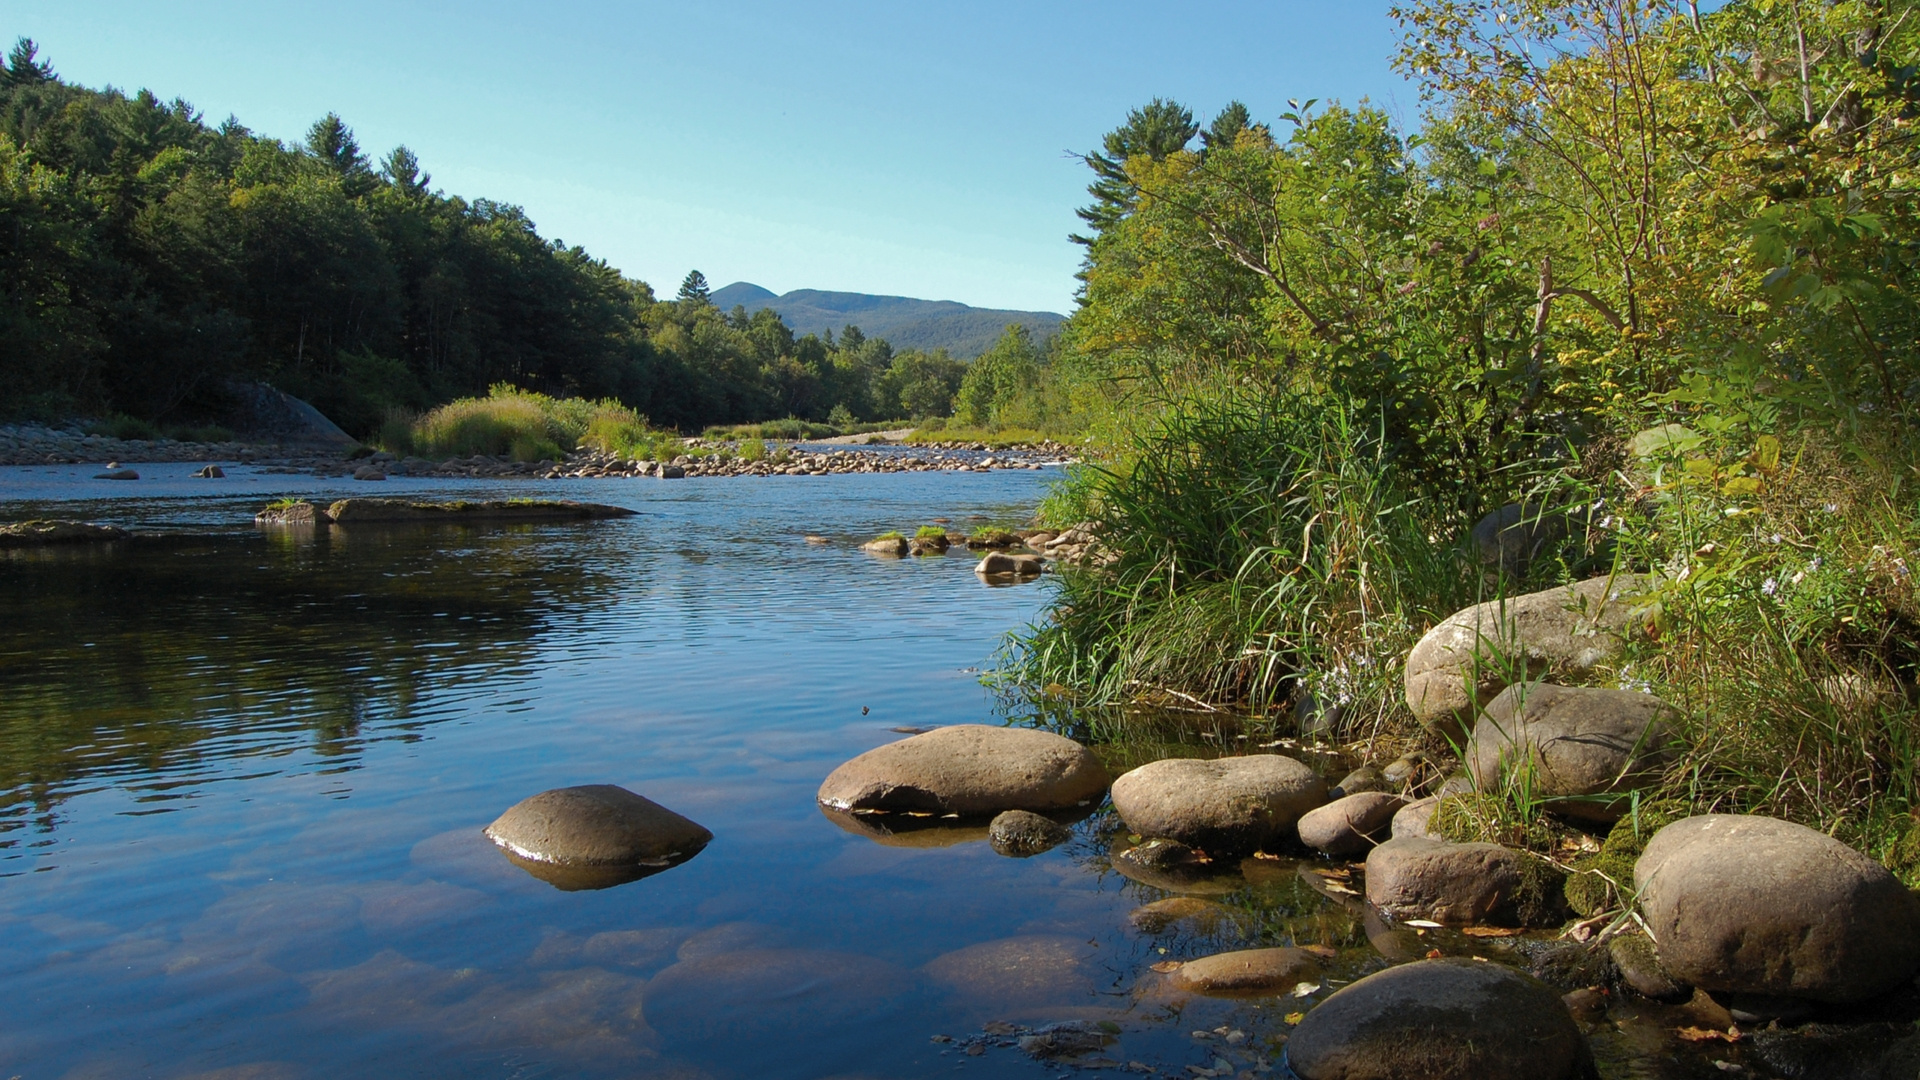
[
  {"x": 526, "y": 426},
  {"x": 1265, "y": 551}
]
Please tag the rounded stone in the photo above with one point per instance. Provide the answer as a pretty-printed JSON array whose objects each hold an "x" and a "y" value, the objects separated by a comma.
[
  {"x": 968, "y": 769},
  {"x": 595, "y": 833},
  {"x": 1223, "y": 805},
  {"x": 1413, "y": 818},
  {"x": 1020, "y": 833},
  {"x": 887, "y": 545},
  {"x": 1348, "y": 825},
  {"x": 1587, "y": 748},
  {"x": 1457, "y": 884},
  {"x": 1247, "y": 972},
  {"x": 1001, "y": 564},
  {"x": 1202, "y": 915},
  {"x": 1755, "y": 905},
  {"x": 1174, "y": 867},
  {"x": 1448, "y": 1019}
]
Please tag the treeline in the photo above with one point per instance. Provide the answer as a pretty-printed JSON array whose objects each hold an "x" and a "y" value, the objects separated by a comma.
[{"x": 146, "y": 257}]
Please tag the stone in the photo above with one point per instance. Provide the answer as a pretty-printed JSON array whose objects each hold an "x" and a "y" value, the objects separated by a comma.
[
  {"x": 1001, "y": 564},
  {"x": 1587, "y": 1004},
  {"x": 1203, "y": 915},
  {"x": 1413, "y": 818},
  {"x": 1512, "y": 537},
  {"x": 887, "y": 545},
  {"x": 670, "y": 472},
  {"x": 1348, "y": 825},
  {"x": 1572, "y": 630},
  {"x": 44, "y": 532},
  {"x": 1446, "y": 1019},
  {"x": 1404, "y": 770},
  {"x": 113, "y": 473},
  {"x": 1020, "y": 833},
  {"x": 369, "y": 472},
  {"x": 907, "y": 830},
  {"x": 259, "y": 413},
  {"x": 1588, "y": 748},
  {"x": 1456, "y": 884},
  {"x": 1175, "y": 867},
  {"x": 595, "y": 835},
  {"x": 209, "y": 472},
  {"x": 1247, "y": 972},
  {"x": 1635, "y": 958},
  {"x": 396, "y": 511},
  {"x": 1070, "y": 1038},
  {"x": 292, "y": 514},
  {"x": 1755, "y": 905},
  {"x": 1364, "y": 778},
  {"x": 1020, "y": 972},
  {"x": 1224, "y": 805},
  {"x": 968, "y": 769}
]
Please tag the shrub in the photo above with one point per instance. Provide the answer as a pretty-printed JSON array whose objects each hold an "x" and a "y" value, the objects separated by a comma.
[
  {"x": 753, "y": 449},
  {"x": 531, "y": 427},
  {"x": 930, "y": 532}
]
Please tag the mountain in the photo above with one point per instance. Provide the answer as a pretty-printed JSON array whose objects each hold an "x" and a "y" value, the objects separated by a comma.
[{"x": 964, "y": 331}]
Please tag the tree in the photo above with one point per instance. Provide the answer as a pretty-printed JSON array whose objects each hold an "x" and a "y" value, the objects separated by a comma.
[
  {"x": 23, "y": 67},
  {"x": 693, "y": 289},
  {"x": 1155, "y": 130},
  {"x": 1226, "y": 127},
  {"x": 402, "y": 170},
  {"x": 332, "y": 141}
]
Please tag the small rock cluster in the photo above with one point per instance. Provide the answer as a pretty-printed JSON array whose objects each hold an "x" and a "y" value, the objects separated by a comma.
[{"x": 701, "y": 460}]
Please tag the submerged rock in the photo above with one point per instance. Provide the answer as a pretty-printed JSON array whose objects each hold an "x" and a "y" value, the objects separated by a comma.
[
  {"x": 1224, "y": 805},
  {"x": 1638, "y": 963},
  {"x": 594, "y": 836},
  {"x": 1247, "y": 972},
  {"x": 383, "y": 511},
  {"x": 43, "y": 532},
  {"x": 1450, "y": 1019},
  {"x": 1348, "y": 825},
  {"x": 113, "y": 473},
  {"x": 1755, "y": 905},
  {"x": 1175, "y": 867},
  {"x": 1572, "y": 629},
  {"x": 1020, "y": 833},
  {"x": 968, "y": 770},
  {"x": 1581, "y": 744},
  {"x": 1203, "y": 915}
]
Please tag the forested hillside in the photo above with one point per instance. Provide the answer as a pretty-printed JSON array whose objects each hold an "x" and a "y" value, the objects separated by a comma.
[
  {"x": 961, "y": 330},
  {"x": 147, "y": 256}
]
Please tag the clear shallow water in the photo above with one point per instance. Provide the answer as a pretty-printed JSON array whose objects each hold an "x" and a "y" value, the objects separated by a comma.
[{"x": 243, "y": 777}]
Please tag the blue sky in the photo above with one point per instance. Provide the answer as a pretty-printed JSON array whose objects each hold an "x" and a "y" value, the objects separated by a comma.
[{"x": 907, "y": 148}]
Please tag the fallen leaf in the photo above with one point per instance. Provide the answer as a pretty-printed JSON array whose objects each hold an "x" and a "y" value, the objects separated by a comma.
[
  {"x": 1434, "y": 954},
  {"x": 1695, "y": 1034},
  {"x": 1331, "y": 873},
  {"x": 1425, "y": 924},
  {"x": 1492, "y": 931},
  {"x": 1165, "y": 966},
  {"x": 1294, "y": 1018},
  {"x": 1305, "y": 988},
  {"x": 1336, "y": 887},
  {"x": 1324, "y": 952}
]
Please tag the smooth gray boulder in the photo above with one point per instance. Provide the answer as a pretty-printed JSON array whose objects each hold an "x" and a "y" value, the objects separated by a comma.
[
  {"x": 1449, "y": 1019},
  {"x": 1756, "y": 905},
  {"x": 1348, "y": 825},
  {"x": 1457, "y": 884},
  {"x": 968, "y": 770},
  {"x": 1458, "y": 666},
  {"x": 896, "y": 546},
  {"x": 1413, "y": 819},
  {"x": 1223, "y": 805},
  {"x": 1020, "y": 833},
  {"x": 1246, "y": 972},
  {"x": 595, "y": 835},
  {"x": 1581, "y": 744}
]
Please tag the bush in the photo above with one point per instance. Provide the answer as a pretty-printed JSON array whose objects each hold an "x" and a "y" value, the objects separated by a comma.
[
  {"x": 753, "y": 449},
  {"x": 533, "y": 427},
  {"x": 930, "y": 532}
]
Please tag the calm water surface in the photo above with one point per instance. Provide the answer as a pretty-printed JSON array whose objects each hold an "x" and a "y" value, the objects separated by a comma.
[{"x": 243, "y": 777}]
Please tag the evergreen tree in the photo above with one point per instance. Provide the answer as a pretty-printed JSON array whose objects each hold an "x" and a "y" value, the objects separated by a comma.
[
  {"x": 332, "y": 141},
  {"x": 1156, "y": 129},
  {"x": 402, "y": 170},
  {"x": 1226, "y": 127},
  {"x": 693, "y": 289},
  {"x": 23, "y": 66}
]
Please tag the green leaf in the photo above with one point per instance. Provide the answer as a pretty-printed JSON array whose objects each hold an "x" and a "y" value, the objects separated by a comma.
[{"x": 1667, "y": 439}]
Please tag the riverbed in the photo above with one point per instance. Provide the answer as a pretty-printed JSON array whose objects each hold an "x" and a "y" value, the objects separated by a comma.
[{"x": 243, "y": 776}]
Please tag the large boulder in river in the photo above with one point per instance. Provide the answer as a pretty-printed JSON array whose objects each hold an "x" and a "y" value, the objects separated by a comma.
[
  {"x": 1451, "y": 1019},
  {"x": 460, "y": 512},
  {"x": 44, "y": 532},
  {"x": 1223, "y": 805},
  {"x": 999, "y": 564},
  {"x": 1755, "y": 905},
  {"x": 1465, "y": 661},
  {"x": 968, "y": 770},
  {"x": 292, "y": 513},
  {"x": 595, "y": 835},
  {"x": 1587, "y": 748},
  {"x": 1416, "y": 877},
  {"x": 1348, "y": 825}
]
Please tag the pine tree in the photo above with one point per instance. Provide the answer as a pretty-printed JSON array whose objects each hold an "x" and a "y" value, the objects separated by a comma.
[
  {"x": 332, "y": 141},
  {"x": 1226, "y": 127},
  {"x": 1156, "y": 129},
  {"x": 23, "y": 66},
  {"x": 694, "y": 289},
  {"x": 402, "y": 170}
]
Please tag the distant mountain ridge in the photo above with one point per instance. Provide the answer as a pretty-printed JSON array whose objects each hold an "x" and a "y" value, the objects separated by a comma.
[{"x": 905, "y": 322}]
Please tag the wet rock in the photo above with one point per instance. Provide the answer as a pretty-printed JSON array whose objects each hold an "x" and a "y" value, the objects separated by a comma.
[
  {"x": 1019, "y": 972},
  {"x": 1203, "y": 915},
  {"x": 594, "y": 836},
  {"x": 1450, "y": 1019},
  {"x": 1225, "y": 805},
  {"x": 999, "y": 564},
  {"x": 1070, "y": 1038},
  {"x": 1581, "y": 744},
  {"x": 968, "y": 769},
  {"x": 1247, "y": 972},
  {"x": 369, "y": 472},
  {"x": 1173, "y": 866},
  {"x": 1638, "y": 963},
  {"x": 1348, "y": 825},
  {"x": 209, "y": 472},
  {"x": 1020, "y": 833},
  {"x": 1756, "y": 905},
  {"x": 385, "y": 511},
  {"x": 113, "y": 473},
  {"x": 1571, "y": 629},
  {"x": 292, "y": 514},
  {"x": 1587, "y": 1004},
  {"x": 908, "y": 830},
  {"x": 1565, "y": 965},
  {"x": 1413, "y": 818},
  {"x": 43, "y": 532},
  {"x": 895, "y": 546},
  {"x": 1363, "y": 779},
  {"x": 669, "y": 472},
  {"x": 1457, "y": 884}
]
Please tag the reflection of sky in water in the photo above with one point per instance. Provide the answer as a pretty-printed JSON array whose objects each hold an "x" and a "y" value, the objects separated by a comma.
[{"x": 242, "y": 782}]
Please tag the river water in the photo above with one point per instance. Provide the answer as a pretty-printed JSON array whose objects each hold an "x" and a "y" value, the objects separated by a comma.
[{"x": 243, "y": 777}]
